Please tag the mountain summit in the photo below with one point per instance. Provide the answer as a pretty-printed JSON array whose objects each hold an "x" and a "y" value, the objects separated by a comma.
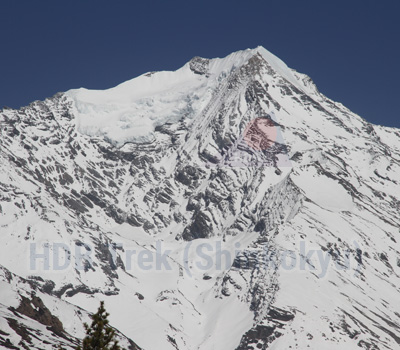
[{"x": 225, "y": 205}]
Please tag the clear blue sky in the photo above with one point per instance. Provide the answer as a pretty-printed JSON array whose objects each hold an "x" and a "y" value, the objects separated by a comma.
[{"x": 351, "y": 49}]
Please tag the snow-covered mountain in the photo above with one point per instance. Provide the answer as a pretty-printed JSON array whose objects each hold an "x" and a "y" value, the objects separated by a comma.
[{"x": 226, "y": 205}]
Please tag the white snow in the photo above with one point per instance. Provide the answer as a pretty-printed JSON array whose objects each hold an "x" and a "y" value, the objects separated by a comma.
[{"x": 322, "y": 190}]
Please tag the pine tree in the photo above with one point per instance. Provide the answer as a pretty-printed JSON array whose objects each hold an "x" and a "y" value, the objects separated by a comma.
[{"x": 100, "y": 335}]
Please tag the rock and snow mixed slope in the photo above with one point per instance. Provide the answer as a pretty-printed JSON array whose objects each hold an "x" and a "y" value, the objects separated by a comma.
[{"x": 226, "y": 205}]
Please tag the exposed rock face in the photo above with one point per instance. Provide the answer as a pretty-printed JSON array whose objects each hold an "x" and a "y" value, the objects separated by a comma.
[
  {"x": 36, "y": 310},
  {"x": 261, "y": 336},
  {"x": 278, "y": 208}
]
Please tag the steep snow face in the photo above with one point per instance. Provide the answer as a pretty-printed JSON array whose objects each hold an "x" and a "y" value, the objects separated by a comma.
[
  {"x": 326, "y": 192},
  {"x": 273, "y": 209}
]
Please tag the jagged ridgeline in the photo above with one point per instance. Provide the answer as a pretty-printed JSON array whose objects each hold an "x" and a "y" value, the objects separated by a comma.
[{"x": 225, "y": 205}]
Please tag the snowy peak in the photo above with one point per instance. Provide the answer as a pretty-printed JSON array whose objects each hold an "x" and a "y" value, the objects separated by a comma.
[{"x": 131, "y": 111}]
